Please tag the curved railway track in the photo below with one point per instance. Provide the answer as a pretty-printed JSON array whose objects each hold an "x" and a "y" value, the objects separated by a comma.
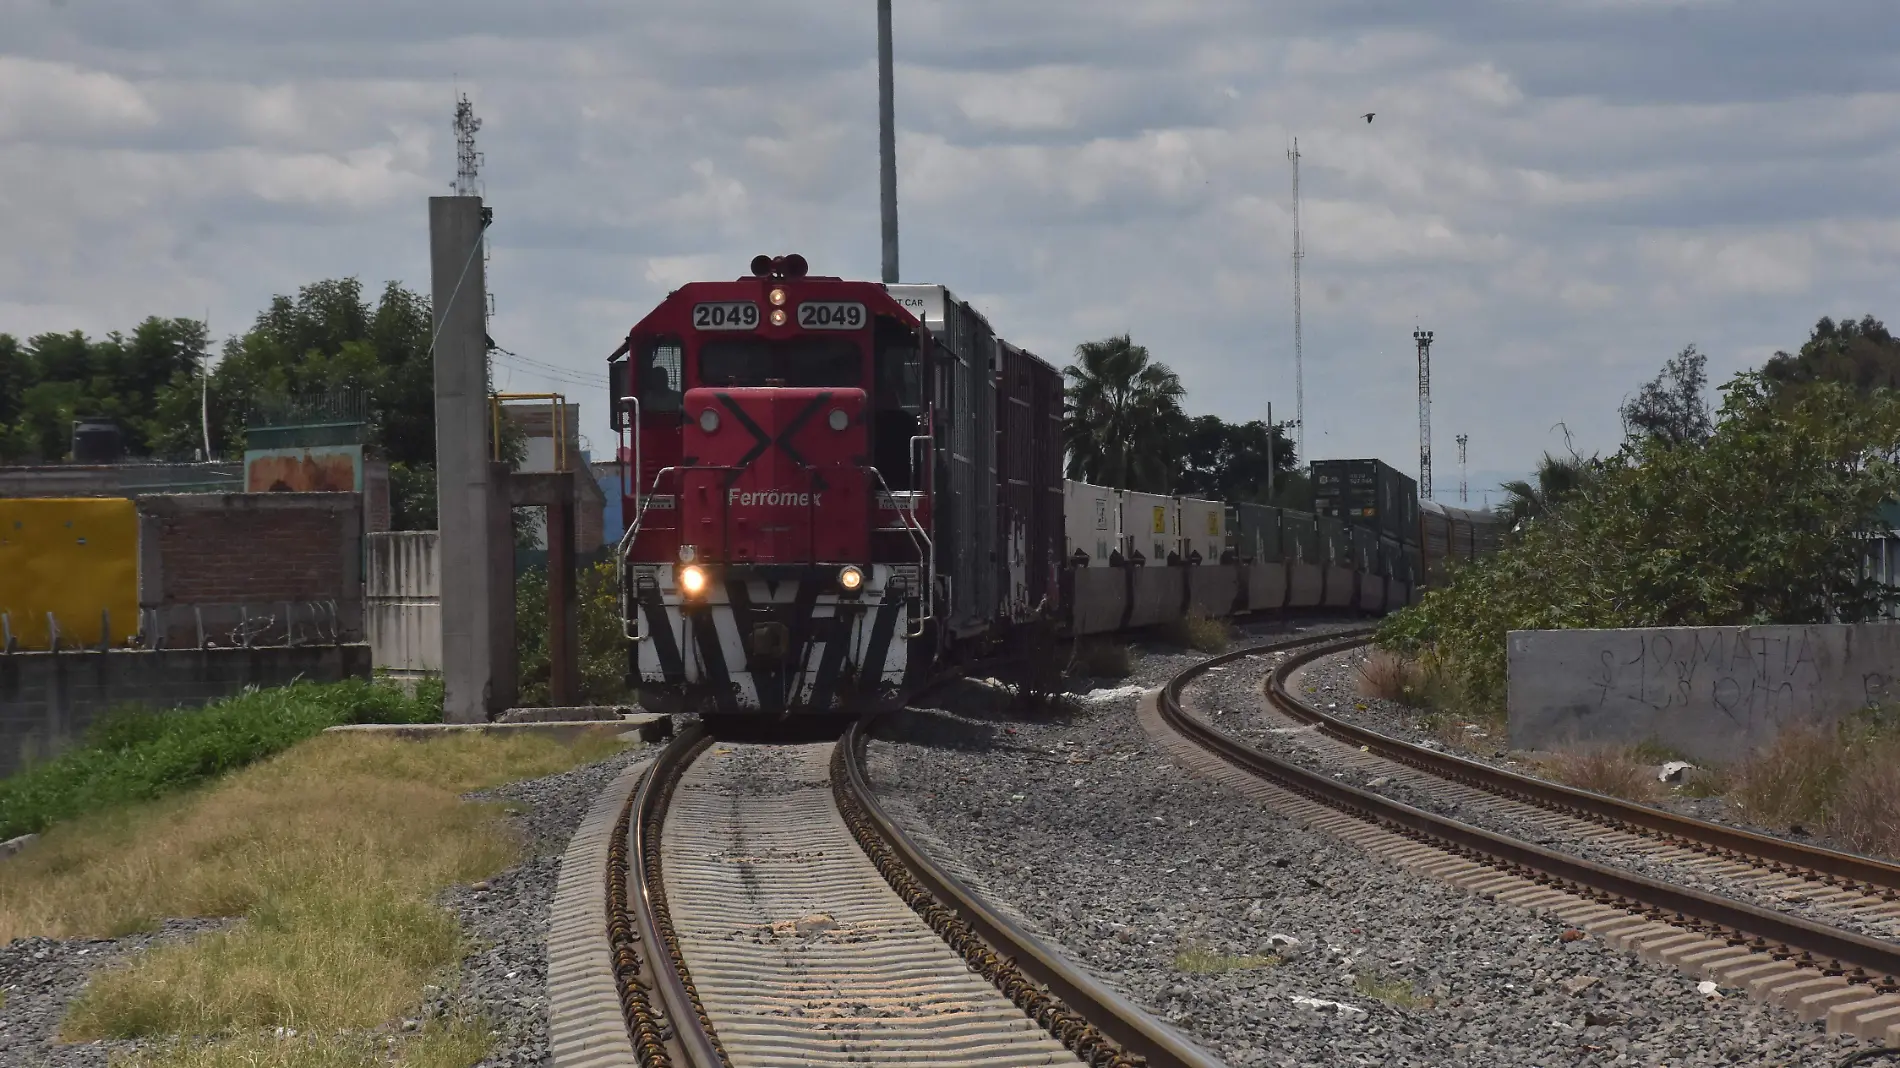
[
  {"x": 1818, "y": 969},
  {"x": 761, "y": 909}
]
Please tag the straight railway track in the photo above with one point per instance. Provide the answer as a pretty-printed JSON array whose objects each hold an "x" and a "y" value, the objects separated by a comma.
[
  {"x": 759, "y": 908},
  {"x": 1819, "y": 969}
]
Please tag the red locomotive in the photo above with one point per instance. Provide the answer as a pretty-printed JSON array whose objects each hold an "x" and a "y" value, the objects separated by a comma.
[{"x": 832, "y": 485}]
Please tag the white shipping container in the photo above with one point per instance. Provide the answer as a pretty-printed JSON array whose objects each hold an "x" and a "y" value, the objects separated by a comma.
[
  {"x": 1151, "y": 525},
  {"x": 1091, "y": 521},
  {"x": 1204, "y": 528}
]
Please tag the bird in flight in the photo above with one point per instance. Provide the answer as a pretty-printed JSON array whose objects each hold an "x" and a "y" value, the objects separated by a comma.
[{"x": 1369, "y": 115}]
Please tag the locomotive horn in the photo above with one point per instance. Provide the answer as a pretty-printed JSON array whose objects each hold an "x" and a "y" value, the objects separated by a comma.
[
  {"x": 795, "y": 266},
  {"x": 761, "y": 266}
]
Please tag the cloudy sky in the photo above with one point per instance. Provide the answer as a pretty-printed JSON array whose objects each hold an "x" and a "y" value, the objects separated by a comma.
[{"x": 1565, "y": 191}]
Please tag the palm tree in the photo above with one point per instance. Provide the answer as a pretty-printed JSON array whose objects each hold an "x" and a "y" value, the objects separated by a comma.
[
  {"x": 1557, "y": 480},
  {"x": 1122, "y": 420}
]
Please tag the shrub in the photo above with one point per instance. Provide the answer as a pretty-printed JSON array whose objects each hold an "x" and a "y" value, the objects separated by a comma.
[
  {"x": 135, "y": 754},
  {"x": 1792, "y": 779},
  {"x": 1865, "y": 814},
  {"x": 1757, "y": 525},
  {"x": 602, "y": 634},
  {"x": 1390, "y": 677},
  {"x": 1197, "y": 630},
  {"x": 1615, "y": 770},
  {"x": 1103, "y": 658}
]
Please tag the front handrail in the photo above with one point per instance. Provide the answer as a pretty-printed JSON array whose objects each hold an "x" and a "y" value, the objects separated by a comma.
[
  {"x": 926, "y": 555},
  {"x": 627, "y": 615}
]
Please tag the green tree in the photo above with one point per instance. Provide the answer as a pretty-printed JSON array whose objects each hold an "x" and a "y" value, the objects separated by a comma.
[
  {"x": 1861, "y": 354},
  {"x": 1225, "y": 461},
  {"x": 1670, "y": 408},
  {"x": 1762, "y": 523},
  {"x": 1122, "y": 421},
  {"x": 1557, "y": 480}
]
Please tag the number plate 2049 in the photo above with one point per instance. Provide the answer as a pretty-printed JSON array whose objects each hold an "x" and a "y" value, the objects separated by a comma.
[
  {"x": 831, "y": 315},
  {"x": 726, "y": 315}
]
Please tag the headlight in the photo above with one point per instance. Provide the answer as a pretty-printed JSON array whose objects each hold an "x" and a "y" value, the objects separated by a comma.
[
  {"x": 777, "y": 297},
  {"x": 693, "y": 580},
  {"x": 778, "y": 316},
  {"x": 850, "y": 579}
]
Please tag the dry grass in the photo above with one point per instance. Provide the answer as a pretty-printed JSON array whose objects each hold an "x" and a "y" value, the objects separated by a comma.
[
  {"x": 1793, "y": 779},
  {"x": 1196, "y": 630},
  {"x": 1390, "y": 677},
  {"x": 456, "y": 1046},
  {"x": 1866, "y": 811},
  {"x": 1394, "y": 992},
  {"x": 332, "y": 853},
  {"x": 1615, "y": 770},
  {"x": 1104, "y": 658},
  {"x": 1201, "y": 960}
]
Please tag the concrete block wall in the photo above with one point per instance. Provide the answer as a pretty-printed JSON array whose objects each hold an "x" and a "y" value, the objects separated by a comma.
[
  {"x": 1711, "y": 693},
  {"x": 48, "y": 700},
  {"x": 231, "y": 554},
  {"x": 404, "y": 603}
]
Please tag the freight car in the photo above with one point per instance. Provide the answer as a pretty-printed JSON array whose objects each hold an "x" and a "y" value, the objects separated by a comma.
[
  {"x": 1448, "y": 536},
  {"x": 835, "y": 486}
]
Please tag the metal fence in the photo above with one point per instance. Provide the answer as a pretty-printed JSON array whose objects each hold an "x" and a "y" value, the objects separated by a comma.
[{"x": 283, "y": 624}]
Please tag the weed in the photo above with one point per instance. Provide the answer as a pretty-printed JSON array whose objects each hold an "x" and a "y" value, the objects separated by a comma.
[
  {"x": 1197, "y": 630},
  {"x": 453, "y": 1046},
  {"x": 137, "y": 754},
  {"x": 1390, "y": 677},
  {"x": 1394, "y": 992},
  {"x": 1617, "y": 771},
  {"x": 1791, "y": 780},
  {"x": 1200, "y": 960},
  {"x": 1653, "y": 751},
  {"x": 1865, "y": 813},
  {"x": 1103, "y": 658}
]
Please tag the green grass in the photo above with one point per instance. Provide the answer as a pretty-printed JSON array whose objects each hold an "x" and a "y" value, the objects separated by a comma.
[
  {"x": 1394, "y": 992},
  {"x": 136, "y": 754},
  {"x": 1201, "y": 960}
]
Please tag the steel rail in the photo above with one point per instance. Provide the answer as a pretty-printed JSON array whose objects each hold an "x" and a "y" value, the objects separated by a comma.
[
  {"x": 1828, "y": 949},
  {"x": 1834, "y": 868},
  {"x": 1009, "y": 946}
]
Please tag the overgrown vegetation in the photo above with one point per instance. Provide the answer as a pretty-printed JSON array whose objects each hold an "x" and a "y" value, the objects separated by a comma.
[
  {"x": 1844, "y": 782},
  {"x": 1390, "y": 677},
  {"x": 1103, "y": 658},
  {"x": 1202, "y": 960},
  {"x": 332, "y": 854},
  {"x": 1758, "y": 524},
  {"x": 1398, "y": 993},
  {"x": 1616, "y": 770},
  {"x": 1198, "y": 630},
  {"x": 136, "y": 754},
  {"x": 603, "y": 641}
]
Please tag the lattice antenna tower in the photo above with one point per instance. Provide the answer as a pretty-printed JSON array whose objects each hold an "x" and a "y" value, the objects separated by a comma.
[
  {"x": 468, "y": 162},
  {"x": 1424, "y": 339},
  {"x": 1299, "y": 364},
  {"x": 1464, "y": 482}
]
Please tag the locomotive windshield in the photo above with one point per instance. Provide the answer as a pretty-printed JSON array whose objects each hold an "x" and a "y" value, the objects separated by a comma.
[{"x": 808, "y": 362}]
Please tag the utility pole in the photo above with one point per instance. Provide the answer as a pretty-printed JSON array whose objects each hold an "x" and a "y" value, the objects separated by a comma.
[
  {"x": 1299, "y": 253},
  {"x": 1424, "y": 339},
  {"x": 1272, "y": 433},
  {"x": 1464, "y": 482},
  {"x": 887, "y": 140}
]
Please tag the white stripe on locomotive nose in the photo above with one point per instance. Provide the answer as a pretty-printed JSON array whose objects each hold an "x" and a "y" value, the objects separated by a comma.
[{"x": 732, "y": 649}]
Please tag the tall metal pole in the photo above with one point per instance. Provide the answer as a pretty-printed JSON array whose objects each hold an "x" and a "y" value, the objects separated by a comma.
[
  {"x": 1299, "y": 366},
  {"x": 1272, "y": 433},
  {"x": 1424, "y": 339},
  {"x": 887, "y": 139},
  {"x": 1464, "y": 481}
]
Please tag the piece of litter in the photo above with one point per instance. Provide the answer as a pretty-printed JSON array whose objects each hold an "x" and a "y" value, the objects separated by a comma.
[
  {"x": 1338, "y": 1008},
  {"x": 1114, "y": 694},
  {"x": 1672, "y": 771}
]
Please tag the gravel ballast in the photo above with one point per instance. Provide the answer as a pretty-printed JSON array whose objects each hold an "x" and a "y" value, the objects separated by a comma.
[
  {"x": 1236, "y": 703},
  {"x": 1267, "y": 943},
  {"x": 505, "y": 918}
]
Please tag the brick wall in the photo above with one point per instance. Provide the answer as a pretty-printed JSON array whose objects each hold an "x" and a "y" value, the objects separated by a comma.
[
  {"x": 242, "y": 555},
  {"x": 47, "y": 700}
]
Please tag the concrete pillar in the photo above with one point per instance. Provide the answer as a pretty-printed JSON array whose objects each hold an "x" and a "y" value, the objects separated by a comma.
[{"x": 477, "y": 565}]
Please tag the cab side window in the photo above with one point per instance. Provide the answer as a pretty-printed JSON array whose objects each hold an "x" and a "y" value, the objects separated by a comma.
[{"x": 657, "y": 375}]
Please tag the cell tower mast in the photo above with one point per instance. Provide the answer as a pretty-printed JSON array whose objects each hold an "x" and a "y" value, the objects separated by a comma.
[
  {"x": 468, "y": 162},
  {"x": 1299, "y": 365},
  {"x": 1424, "y": 339},
  {"x": 1464, "y": 483},
  {"x": 886, "y": 141}
]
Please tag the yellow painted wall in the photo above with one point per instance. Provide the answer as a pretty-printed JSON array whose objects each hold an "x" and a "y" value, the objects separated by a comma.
[{"x": 73, "y": 558}]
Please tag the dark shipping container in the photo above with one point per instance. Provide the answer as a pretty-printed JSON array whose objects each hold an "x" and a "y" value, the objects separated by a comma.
[{"x": 1369, "y": 493}]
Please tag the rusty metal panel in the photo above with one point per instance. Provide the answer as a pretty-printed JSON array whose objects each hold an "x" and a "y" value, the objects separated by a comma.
[{"x": 304, "y": 469}]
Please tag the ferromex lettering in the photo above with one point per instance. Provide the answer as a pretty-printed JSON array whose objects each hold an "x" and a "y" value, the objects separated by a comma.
[{"x": 774, "y": 498}]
